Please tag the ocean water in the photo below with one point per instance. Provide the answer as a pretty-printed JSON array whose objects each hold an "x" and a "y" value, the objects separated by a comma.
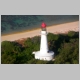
[{"x": 17, "y": 23}]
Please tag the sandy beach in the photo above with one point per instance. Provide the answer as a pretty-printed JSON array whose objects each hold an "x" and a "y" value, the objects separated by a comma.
[{"x": 60, "y": 28}]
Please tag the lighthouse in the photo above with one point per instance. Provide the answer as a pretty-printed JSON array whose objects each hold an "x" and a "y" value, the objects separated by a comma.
[{"x": 44, "y": 53}]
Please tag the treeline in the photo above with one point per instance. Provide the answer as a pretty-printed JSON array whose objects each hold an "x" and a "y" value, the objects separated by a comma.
[{"x": 65, "y": 47}]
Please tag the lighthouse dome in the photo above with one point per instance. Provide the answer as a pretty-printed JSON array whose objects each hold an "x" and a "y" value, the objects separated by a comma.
[{"x": 43, "y": 25}]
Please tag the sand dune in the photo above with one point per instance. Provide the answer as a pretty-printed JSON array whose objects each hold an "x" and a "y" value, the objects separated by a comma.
[{"x": 61, "y": 28}]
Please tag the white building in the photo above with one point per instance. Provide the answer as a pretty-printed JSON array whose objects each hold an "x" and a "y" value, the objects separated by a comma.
[{"x": 44, "y": 53}]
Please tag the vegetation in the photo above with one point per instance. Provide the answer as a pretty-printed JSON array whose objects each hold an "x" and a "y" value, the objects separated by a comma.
[{"x": 65, "y": 47}]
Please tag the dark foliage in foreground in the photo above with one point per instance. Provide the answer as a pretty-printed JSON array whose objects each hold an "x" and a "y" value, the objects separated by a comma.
[{"x": 65, "y": 46}]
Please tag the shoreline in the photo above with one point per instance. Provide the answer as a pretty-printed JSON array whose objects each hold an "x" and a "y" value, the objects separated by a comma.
[
  {"x": 20, "y": 32},
  {"x": 5, "y": 34},
  {"x": 57, "y": 28}
]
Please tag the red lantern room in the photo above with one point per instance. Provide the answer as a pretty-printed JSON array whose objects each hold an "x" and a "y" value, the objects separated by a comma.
[{"x": 43, "y": 26}]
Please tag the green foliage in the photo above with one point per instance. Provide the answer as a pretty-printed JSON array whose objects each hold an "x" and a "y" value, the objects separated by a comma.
[
  {"x": 9, "y": 51},
  {"x": 28, "y": 42},
  {"x": 8, "y": 58},
  {"x": 71, "y": 34},
  {"x": 10, "y": 47},
  {"x": 36, "y": 43},
  {"x": 52, "y": 37},
  {"x": 35, "y": 61},
  {"x": 32, "y": 61},
  {"x": 65, "y": 47},
  {"x": 69, "y": 53}
]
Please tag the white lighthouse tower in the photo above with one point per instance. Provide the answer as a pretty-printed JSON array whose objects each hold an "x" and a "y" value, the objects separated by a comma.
[{"x": 44, "y": 53}]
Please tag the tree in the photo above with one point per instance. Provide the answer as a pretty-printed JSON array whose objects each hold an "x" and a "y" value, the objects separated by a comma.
[
  {"x": 68, "y": 53},
  {"x": 28, "y": 42},
  {"x": 71, "y": 33},
  {"x": 9, "y": 52}
]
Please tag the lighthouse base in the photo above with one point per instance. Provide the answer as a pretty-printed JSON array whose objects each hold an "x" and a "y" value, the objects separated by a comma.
[{"x": 44, "y": 56}]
